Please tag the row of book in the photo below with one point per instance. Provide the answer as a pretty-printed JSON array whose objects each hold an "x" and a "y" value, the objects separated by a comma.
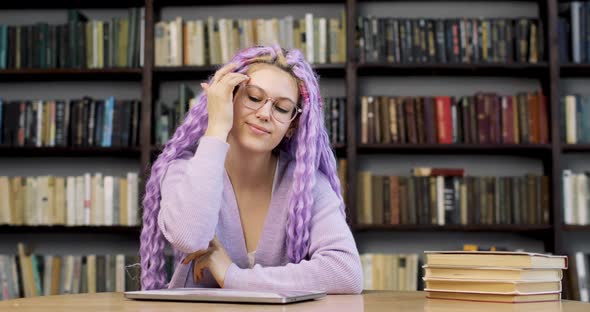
[
  {"x": 575, "y": 116},
  {"x": 72, "y": 201},
  {"x": 29, "y": 275},
  {"x": 482, "y": 118},
  {"x": 507, "y": 277},
  {"x": 579, "y": 277},
  {"x": 457, "y": 40},
  {"x": 341, "y": 164},
  {"x": 335, "y": 119},
  {"x": 77, "y": 122},
  {"x": 214, "y": 41},
  {"x": 576, "y": 198},
  {"x": 444, "y": 196},
  {"x": 390, "y": 271},
  {"x": 84, "y": 43},
  {"x": 573, "y": 32},
  {"x": 81, "y": 43},
  {"x": 168, "y": 117}
]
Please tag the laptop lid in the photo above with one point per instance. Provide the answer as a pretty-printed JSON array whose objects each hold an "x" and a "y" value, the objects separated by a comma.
[{"x": 225, "y": 295}]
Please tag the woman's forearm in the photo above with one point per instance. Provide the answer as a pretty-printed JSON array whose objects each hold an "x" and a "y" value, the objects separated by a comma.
[{"x": 191, "y": 196}]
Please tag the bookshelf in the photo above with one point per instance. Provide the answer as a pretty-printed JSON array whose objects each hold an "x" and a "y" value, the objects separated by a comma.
[
  {"x": 575, "y": 148},
  {"x": 69, "y": 74},
  {"x": 548, "y": 72},
  {"x": 59, "y": 229},
  {"x": 539, "y": 70},
  {"x": 574, "y": 70},
  {"x": 116, "y": 152},
  {"x": 533, "y": 150},
  {"x": 576, "y": 228},
  {"x": 542, "y": 229},
  {"x": 202, "y": 72},
  {"x": 64, "y": 4}
]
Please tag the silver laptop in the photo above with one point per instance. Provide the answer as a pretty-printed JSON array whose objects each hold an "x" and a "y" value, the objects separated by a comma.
[{"x": 225, "y": 295}]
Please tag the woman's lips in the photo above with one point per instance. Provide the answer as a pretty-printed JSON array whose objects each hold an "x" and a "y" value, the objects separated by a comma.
[{"x": 257, "y": 129}]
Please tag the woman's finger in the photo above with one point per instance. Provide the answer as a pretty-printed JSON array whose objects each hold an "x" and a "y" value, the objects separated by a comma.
[
  {"x": 234, "y": 81},
  {"x": 215, "y": 242},
  {"x": 199, "y": 265},
  {"x": 222, "y": 71},
  {"x": 231, "y": 77},
  {"x": 195, "y": 255}
]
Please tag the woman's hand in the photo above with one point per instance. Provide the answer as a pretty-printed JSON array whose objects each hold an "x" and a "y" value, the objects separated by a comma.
[
  {"x": 220, "y": 100},
  {"x": 214, "y": 258}
]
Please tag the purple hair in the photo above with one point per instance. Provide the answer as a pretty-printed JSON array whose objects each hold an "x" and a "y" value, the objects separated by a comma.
[{"x": 309, "y": 147}]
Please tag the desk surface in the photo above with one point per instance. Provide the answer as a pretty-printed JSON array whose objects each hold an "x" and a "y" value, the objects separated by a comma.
[{"x": 368, "y": 301}]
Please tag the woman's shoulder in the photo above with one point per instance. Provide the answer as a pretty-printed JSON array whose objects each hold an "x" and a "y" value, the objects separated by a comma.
[{"x": 176, "y": 166}]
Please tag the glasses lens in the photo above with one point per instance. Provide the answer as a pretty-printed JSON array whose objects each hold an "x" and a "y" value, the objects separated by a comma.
[
  {"x": 254, "y": 97},
  {"x": 283, "y": 110}
]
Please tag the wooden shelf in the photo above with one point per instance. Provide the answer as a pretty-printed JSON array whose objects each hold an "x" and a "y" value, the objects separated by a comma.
[
  {"x": 60, "y": 229},
  {"x": 452, "y": 228},
  {"x": 166, "y": 3},
  {"x": 539, "y": 70},
  {"x": 65, "y": 4},
  {"x": 65, "y": 74},
  {"x": 203, "y": 72},
  {"x": 576, "y": 228},
  {"x": 540, "y": 1},
  {"x": 575, "y": 148},
  {"x": 31, "y": 151},
  {"x": 496, "y": 149},
  {"x": 156, "y": 149},
  {"x": 238, "y": 2},
  {"x": 574, "y": 70}
]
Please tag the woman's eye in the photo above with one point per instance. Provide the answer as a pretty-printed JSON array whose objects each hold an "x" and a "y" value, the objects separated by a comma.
[
  {"x": 281, "y": 110},
  {"x": 254, "y": 99}
]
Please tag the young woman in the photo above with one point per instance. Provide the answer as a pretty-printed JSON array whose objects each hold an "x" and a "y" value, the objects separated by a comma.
[{"x": 246, "y": 191}]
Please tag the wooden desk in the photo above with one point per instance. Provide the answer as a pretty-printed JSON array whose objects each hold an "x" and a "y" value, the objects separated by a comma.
[{"x": 368, "y": 301}]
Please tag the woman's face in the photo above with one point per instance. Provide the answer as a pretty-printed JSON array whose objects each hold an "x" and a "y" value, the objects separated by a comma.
[{"x": 259, "y": 130}]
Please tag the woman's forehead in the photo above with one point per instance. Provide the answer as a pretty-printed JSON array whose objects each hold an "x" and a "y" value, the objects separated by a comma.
[{"x": 275, "y": 82}]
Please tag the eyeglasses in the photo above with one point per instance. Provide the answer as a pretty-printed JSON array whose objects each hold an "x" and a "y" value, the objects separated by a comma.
[{"x": 283, "y": 110}]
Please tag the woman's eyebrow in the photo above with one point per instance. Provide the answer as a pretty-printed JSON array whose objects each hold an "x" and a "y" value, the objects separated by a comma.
[{"x": 280, "y": 97}]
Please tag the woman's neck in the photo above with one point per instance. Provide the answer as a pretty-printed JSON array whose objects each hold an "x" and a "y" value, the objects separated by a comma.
[{"x": 249, "y": 170}]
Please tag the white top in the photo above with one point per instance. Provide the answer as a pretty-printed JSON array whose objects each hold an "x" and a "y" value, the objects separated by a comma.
[{"x": 251, "y": 259}]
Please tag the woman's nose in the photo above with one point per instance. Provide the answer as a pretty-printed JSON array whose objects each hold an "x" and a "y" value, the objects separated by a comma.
[{"x": 265, "y": 111}]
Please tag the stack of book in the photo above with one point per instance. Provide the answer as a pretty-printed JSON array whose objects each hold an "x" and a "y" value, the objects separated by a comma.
[{"x": 510, "y": 277}]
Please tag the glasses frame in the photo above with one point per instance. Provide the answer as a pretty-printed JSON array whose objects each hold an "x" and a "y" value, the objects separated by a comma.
[{"x": 298, "y": 109}]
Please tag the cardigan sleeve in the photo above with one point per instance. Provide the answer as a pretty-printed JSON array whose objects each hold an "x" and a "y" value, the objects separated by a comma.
[
  {"x": 191, "y": 194},
  {"x": 333, "y": 264}
]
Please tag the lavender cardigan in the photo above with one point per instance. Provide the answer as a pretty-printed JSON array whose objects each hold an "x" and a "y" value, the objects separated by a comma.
[{"x": 198, "y": 202}]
